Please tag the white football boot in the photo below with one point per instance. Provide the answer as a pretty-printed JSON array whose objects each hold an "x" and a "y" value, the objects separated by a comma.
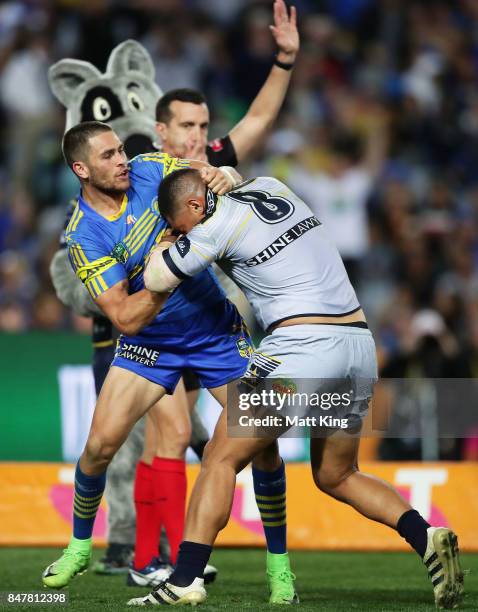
[
  {"x": 172, "y": 595},
  {"x": 443, "y": 565}
]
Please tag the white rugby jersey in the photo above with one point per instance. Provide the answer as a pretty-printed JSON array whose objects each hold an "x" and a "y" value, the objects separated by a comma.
[{"x": 280, "y": 253}]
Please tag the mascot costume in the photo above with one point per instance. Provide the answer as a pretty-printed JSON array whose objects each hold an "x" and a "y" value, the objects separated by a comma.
[{"x": 125, "y": 97}]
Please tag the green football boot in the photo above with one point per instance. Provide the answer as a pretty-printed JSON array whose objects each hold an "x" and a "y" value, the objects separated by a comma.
[
  {"x": 75, "y": 560},
  {"x": 281, "y": 580}
]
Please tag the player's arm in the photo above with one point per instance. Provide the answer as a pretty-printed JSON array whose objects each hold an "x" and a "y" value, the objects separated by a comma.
[
  {"x": 169, "y": 264},
  {"x": 107, "y": 282},
  {"x": 151, "y": 168},
  {"x": 69, "y": 289},
  {"x": 219, "y": 180},
  {"x": 253, "y": 128},
  {"x": 130, "y": 313}
]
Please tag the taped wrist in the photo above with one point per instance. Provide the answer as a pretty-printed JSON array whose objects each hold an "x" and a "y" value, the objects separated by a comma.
[{"x": 157, "y": 276}]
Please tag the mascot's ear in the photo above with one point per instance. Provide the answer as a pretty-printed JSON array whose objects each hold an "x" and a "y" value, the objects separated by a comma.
[
  {"x": 130, "y": 56},
  {"x": 67, "y": 75}
]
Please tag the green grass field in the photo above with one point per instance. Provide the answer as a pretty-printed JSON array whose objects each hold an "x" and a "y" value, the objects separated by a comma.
[{"x": 325, "y": 582}]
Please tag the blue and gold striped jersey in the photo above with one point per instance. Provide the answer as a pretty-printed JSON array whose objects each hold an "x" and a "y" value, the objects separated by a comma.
[{"x": 105, "y": 251}]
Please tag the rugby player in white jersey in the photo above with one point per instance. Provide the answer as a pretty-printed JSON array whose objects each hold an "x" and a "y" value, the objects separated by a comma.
[{"x": 296, "y": 283}]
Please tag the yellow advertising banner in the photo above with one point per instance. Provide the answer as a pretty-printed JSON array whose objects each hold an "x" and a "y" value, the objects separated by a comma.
[{"x": 36, "y": 502}]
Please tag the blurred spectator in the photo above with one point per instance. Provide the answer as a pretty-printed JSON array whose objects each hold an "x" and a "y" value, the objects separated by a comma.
[
  {"x": 379, "y": 133},
  {"x": 26, "y": 100}
]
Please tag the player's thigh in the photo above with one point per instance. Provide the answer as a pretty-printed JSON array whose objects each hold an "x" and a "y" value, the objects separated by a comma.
[
  {"x": 171, "y": 420},
  {"x": 219, "y": 394},
  {"x": 236, "y": 452},
  {"x": 123, "y": 400},
  {"x": 191, "y": 384},
  {"x": 333, "y": 457}
]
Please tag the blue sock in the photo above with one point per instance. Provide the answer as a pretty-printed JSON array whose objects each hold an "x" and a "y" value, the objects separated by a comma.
[
  {"x": 192, "y": 559},
  {"x": 269, "y": 488},
  {"x": 88, "y": 494}
]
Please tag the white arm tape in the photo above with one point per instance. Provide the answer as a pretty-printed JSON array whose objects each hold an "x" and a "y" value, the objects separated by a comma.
[
  {"x": 230, "y": 172},
  {"x": 157, "y": 276}
]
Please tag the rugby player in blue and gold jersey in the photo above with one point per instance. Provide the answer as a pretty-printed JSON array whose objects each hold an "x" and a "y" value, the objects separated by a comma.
[{"x": 115, "y": 226}]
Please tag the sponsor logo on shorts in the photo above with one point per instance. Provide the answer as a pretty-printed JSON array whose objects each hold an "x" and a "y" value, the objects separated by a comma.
[
  {"x": 120, "y": 252},
  {"x": 183, "y": 245},
  {"x": 244, "y": 348},
  {"x": 140, "y": 354}
]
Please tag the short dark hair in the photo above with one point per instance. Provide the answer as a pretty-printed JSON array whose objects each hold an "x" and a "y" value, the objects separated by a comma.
[
  {"x": 76, "y": 140},
  {"x": 163, "y": 112},
  {"x": 171, "y": 188}
]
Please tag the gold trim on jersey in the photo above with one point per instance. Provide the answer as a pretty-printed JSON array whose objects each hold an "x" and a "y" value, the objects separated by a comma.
[
  {"x": 75, "y": 217},
  {"x": 136, "y": 228},
  {"x": 117, "y": 215},
  {"x": 141, "y": 239},
  {"x": 198, "y": 252},
  {"x": 90, "y": 273},
  {"x": 135, "y": 271},
  {"x": 157, "y": 240},
  {"x": 170, "y": 163}
]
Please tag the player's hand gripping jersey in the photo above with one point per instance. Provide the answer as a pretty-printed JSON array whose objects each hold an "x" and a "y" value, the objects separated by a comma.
[
  {"x": 281, "y": 255},
  {"x": 197, "y": 327}
]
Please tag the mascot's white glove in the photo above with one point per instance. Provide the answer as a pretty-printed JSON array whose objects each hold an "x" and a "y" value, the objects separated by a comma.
[{"x": 69, "y": 289}]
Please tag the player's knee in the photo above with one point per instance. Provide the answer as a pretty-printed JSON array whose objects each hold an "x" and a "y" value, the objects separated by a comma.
[
  {"x": 214, "y": 457},
  {"x": 330, "y": 480},
  {"x": 98, "y": 451},
  {"x": 183, "y": 436},
  {"x": 175, "y": 443},
  {"x": 174, "y": 436},
  {"x": 269, "y": 459}
]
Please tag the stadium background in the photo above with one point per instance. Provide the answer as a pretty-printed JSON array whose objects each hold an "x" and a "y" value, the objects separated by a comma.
[{"x": 381, "y": 120}]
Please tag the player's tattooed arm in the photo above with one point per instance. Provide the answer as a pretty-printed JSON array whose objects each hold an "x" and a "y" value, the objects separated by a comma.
[{"x": 130, "y": 313}]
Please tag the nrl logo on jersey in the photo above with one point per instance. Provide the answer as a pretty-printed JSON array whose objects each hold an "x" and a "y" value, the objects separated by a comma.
[
  {"x": 210, "y": 202},
  {"x": 120, "y": 253},
  {"x": 183, "y": 245}
]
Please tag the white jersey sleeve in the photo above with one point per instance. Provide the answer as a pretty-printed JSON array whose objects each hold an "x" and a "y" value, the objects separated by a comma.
[
  {"x": 280, "y": 254},
  {"x": 192, "y": 253}
]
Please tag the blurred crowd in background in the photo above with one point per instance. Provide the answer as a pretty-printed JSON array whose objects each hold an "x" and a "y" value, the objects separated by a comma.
[{"x": 379, "y": 134}]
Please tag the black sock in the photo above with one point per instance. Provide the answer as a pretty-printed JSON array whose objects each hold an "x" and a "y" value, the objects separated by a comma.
[
  {"x": 192, "y": 559},
  {"x": 413, "y": 527}
]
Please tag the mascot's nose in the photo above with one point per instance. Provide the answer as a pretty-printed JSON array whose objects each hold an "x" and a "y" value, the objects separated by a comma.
[{"x": 138, "y": 143}]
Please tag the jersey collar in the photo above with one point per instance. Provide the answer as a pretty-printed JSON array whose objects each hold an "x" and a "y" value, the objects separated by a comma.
[
  {"x": 114, "y": 217},
  {"x": 211, "y": 202}
]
